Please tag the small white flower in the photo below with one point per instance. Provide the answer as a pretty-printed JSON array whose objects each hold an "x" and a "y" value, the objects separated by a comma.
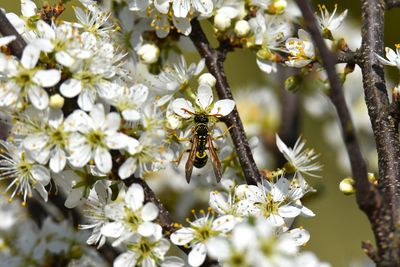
[
  {"x": 132, "y": 217},
  {"x": 393, "y": 57},
  {"x": 177, "y": 77},
  {"x": 277, "y": 202},
  {"x": 327, "y": 21},
  {"x": 23, "y": 173},
  {"x": 204, "y": 104},
  {"x": 199, "y": 233},
  {"x": 95, "y": 135},
  {"x": 147, "y": 251},
  {"x": 26, "y": 81},
  {"x": 94, "y": 212},
  {"x": 299, "y": 160},
  {"x": 129, "y": 101},
  {"x": 301, "y": 50},
  {"x": 47, "y": 136}
]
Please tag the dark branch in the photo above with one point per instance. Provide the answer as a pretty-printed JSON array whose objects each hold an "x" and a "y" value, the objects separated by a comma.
[
  {"x": 392, "y": 4},
  {"x": 385, "y": 129},
  {"x": 215, "y": 64},
  {"x": 368, "y": 198},
  {"x": 7, "y": 29}
]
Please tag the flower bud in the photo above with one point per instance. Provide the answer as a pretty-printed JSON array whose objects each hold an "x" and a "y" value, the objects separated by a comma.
[
  {"x": 277, "y": 7},
  {"x": 242, "y": 28},
  {"x": 396, "y": 93},
  {"x": 207, "y": 78},
  {"x": 148, "y": 53},
  {"x": 56, "y": 101},
  {"x": 222, "y": 22},
  {"x": 347, "y": 186},
  {"x": 372, "y": 178}
]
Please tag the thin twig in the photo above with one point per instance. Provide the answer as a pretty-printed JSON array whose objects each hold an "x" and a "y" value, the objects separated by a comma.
[
  {"x": 7, "y": 29},
  {"x": 215, "y": 64}
]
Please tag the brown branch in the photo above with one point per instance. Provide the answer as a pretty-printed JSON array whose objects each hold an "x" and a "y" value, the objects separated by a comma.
[
  {"x": 368, "y": 198},
  {"x": 7, "y": 29},
  {"x": 215, "y": 64},
  {"x": 392, "y": 4},
  {"x": 385, "y": 127}
]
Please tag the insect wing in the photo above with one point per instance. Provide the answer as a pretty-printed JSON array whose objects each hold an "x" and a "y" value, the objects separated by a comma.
[
  {"x": 191, "y": 158},
  {"x": 214, "y": 159}
]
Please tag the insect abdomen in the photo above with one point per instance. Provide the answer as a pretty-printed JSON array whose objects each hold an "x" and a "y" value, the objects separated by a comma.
[
  {"x": 201, "y": 159},
  {"x": 201, "y": 155}
]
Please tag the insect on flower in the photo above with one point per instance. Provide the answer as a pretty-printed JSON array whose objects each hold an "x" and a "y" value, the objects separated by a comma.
[{"x": 205, "y": 113}]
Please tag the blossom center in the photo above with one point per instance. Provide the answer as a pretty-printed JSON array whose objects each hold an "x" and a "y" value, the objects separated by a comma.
[{"x": 96, "y": 137}]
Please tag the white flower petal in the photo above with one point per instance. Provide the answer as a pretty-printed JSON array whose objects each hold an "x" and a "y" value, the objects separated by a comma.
[
  {"x": 181, "y": 8},
  {"x": 58, "y": 160},
  {"x": 197, "y": 255},
  {"x": 113, "y": 229},
  {"x": 75, "y": 197},
  {"x": 127, "y": 168},
  {"x": 223, "y": 107},
  {"x": 71, "y": 88},
  {"x": 147, "y": 229},
  {"x": 47, "y": 78},
  {"x": 87, "y": 99},
  {"x": 131, "y": 115},
  {"x": 65, "y": 59},
  {"x": 280, "y": 189},
  {"x": 30, "y": 56},
  {"x": 40, "y": 174},
  {"x": 182, "y": 236},
  {"x": 79, "y": 155},
  {"x": 183, "y": 108},
  {"x": 102, "y": 159},
  {"x": 275, "y": 220},
  {"x": 98, "y": 116},
  {"x": 111, "y": 123},
  {"x": 38, "y": 97},
  {"x": 6, "y": 40},
  {"x": 35, "y": 141},
  {"x": 139, "y": 93},
  {"x": 204, "y": 96},
  {"x": 182, "y": 25},
  {"x": 149, "y": 211},
  {"x": 289, "y": 211},
  {"x": 28, "y": 8},
  {"x": 127, "y": 259},
  {"x": 205, "y": 7},
  {"x": 224, "y": 223},
  {"x": 299, "y": 236},
  {"x": 134, "y": 197}
]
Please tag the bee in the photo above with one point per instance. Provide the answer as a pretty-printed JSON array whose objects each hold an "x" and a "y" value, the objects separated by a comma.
[{"x": 202, "y": 141}]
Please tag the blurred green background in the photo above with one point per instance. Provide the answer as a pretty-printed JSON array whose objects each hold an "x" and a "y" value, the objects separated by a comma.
[{"x": 339, "y": 226}]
